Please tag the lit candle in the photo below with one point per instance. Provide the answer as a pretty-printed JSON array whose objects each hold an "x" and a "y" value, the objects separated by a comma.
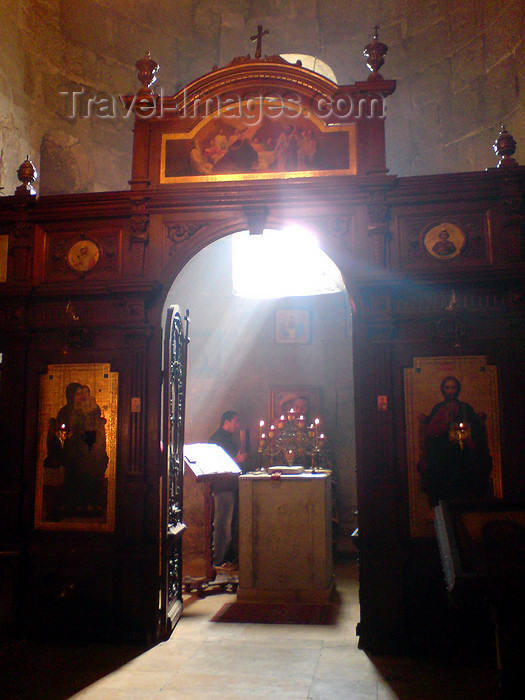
[
  {"x": 291, "y": 415},
  {"x": 271, "y": 432},
  {"x": 321, "y": 437},
  {"x": 301, "y": 422},
  {"x": 62, "y": 434},
  {"x": 262, "y": 439},
  {"x": 280, "y": 423}
]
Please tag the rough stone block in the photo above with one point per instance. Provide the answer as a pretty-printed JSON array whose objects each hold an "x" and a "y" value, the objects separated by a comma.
[
  {"x": 503, "y": 33},
  {"x": 467, "y": 64},
  {"x": 422, "y": 16},
  {"x": 432, "y": 85},
  {"x": 501, "y": 90}
]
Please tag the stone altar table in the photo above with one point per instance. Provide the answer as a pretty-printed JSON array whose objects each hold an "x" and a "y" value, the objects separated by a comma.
[{"x": 285, "y": 538}]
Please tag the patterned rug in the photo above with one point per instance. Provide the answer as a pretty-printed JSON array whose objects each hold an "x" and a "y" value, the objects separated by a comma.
[{"x": 278, "y": 613}]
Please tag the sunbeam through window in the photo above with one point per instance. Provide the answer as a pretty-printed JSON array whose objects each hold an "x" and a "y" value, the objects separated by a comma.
[{"x": 284, "y": 263}]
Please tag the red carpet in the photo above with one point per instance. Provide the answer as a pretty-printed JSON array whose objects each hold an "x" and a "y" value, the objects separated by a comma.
[{"x": 278, "y": 613}]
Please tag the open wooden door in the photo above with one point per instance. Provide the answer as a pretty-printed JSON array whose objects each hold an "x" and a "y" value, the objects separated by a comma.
[{"x": 172, "y": 528}]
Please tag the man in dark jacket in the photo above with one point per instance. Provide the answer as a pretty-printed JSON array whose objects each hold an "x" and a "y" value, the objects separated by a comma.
[{"x": 225, "y": 521}]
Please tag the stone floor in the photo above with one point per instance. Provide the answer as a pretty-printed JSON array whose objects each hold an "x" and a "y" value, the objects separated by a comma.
[{"x": 240, "y": 661}]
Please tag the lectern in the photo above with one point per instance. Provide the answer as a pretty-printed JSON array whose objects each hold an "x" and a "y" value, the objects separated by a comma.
[{"x": 205, "y": 467}]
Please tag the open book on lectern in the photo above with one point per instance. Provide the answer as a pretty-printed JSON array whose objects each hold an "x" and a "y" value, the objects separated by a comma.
[{"x": 205, "y": 459}]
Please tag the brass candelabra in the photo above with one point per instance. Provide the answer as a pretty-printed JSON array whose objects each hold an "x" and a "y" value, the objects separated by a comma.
[{"x": 290, "y": 441}]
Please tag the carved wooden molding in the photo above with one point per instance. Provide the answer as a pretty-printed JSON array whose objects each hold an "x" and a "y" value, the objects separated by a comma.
[
  {"x": 139, "y": 235},
  {"x": 450, "y": 328},
  {"x": 180, "y": 231},
  {"x": 393, "y": 303},
  {"x": 20, "y": 249},
  {"x": 378, "y": 227},
  {"x": 468, "y": 300},
  {"x": 79, "y": 337},
  {"x": 12, "y": 315},
  {"x": 337, "y": 228},
  {"x": 137, "y": 388},
  {"x": 381, "y": 333},
  {"x": 56, "y": 265},
  {"x": 112, "y": 313},
  {"x": 511, "y": 202},
  {"x": 256, "y": 219},
  {"x": 415, "y": 228}
]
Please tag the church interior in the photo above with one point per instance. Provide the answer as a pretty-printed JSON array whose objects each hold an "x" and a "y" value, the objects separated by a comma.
[{"x": 225, "y": 204}]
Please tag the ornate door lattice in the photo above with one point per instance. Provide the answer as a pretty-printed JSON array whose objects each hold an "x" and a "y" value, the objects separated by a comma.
[{"x": 175, "y": 358}]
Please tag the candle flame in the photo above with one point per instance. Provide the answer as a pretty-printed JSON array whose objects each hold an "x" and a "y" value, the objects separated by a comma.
[{"x": 261, "y": 423}]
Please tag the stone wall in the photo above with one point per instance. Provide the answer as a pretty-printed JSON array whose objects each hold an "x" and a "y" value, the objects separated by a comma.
[{"x": 459, "y": 66}]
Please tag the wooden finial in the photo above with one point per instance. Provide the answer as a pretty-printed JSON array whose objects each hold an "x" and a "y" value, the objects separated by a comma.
[
  {"x": 258, "y": 38},
  {"x": 374, "y": 52},
  {"x": 504, "y": 147},
  {"x": 27, "y": 174},
  {"x": 147, "y": 69}
]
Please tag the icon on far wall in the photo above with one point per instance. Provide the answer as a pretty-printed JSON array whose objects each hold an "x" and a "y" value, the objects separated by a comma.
[
  {"x": 292, "y": 326},
  {"x": 305, "y": 400},
  {"x": 444, "y": 241}
]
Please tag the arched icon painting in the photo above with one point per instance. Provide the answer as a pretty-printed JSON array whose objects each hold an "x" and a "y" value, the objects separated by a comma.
[{"x": 444, "y": 241}]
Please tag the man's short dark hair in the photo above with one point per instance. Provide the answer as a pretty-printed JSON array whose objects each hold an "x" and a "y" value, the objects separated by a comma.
[{"x": 228, "y": 416}]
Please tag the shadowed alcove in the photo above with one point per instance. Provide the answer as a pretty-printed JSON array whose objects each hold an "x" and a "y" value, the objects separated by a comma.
[{"x": 237, "y": 356}]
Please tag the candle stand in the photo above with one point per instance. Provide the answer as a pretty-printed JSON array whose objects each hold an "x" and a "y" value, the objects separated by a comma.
[{"x": 290, "y": 441}]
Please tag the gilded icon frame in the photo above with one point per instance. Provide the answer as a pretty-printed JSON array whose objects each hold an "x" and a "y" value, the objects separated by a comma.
[
  {"x": 479, "y": 387},
  {"x": 183, "y": 157},
  {"x": 83, "y": 255},
  {"x": 55, "y": 508}
]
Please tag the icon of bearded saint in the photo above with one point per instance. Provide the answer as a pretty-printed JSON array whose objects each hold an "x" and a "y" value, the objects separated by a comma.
[{"x": 455, "y": 462}]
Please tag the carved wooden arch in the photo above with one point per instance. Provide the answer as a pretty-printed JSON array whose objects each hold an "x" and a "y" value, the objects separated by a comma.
[
  {"x": 332, "y": 105},
  {"x": 332, "y": 242},
  {"x": 271, "y": 74}
]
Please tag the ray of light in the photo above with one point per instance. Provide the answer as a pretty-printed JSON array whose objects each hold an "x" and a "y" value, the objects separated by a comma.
[{"x": 279, "y": 264}]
